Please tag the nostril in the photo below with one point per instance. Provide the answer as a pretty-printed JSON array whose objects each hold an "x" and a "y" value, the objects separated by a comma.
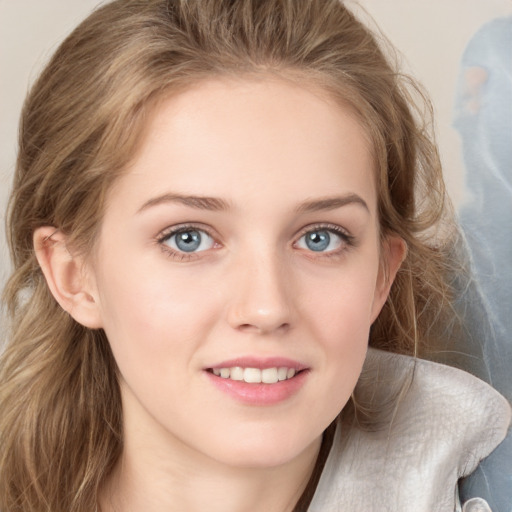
[{"x": 264, "y": 328}]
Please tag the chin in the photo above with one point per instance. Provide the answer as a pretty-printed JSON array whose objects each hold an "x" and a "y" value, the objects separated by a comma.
[{"x": 267, "y": 451}]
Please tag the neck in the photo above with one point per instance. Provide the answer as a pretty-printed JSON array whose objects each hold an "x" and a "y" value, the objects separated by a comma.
[
  {"x": 147, "y": 482},
  {"x": 159, "y": 471}
]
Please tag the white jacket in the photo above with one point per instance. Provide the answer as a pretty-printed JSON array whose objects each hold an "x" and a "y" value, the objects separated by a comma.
[{"x": 445, "y": 423}]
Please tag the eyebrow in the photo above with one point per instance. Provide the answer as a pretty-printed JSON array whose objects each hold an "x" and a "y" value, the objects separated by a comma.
[
  {"x": 332, "y": 203},
  {"x": 217, "y": 204},
  {"x": 198, "y": 202}
]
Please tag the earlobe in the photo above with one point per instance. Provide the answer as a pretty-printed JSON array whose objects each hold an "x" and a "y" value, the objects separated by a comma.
[
  {"x": 65, "y": 275},
  {"x": 394, "y": 251}
]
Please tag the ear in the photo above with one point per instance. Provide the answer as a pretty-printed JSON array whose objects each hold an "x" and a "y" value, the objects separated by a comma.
[
  {"x": 394, "y": 251},
  {"x": 67, "y": 277}
]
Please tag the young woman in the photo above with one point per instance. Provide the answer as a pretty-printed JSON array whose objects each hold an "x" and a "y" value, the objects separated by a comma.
[{"x": 217, "y": 206}]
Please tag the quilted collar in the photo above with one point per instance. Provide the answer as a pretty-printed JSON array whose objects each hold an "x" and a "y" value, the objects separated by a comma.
[{"x": 445, "y": 422}]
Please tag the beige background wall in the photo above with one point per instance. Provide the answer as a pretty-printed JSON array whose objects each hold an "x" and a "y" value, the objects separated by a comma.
[{"x": 431, "y": 35}]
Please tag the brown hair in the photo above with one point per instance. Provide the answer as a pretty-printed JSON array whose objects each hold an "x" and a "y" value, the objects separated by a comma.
[{"x": 61, "y": 419}]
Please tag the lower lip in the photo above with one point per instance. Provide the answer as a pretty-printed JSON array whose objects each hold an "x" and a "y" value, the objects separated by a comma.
[{"x": 260, "y": 394}]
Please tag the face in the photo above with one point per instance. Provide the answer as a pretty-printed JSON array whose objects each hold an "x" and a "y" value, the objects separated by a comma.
[{"x": 237, "y": 271}]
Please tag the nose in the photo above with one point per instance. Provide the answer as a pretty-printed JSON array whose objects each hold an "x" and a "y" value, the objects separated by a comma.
[{"x": 261, "y": 299}]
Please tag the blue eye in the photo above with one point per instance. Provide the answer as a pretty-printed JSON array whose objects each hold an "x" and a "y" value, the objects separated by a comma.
[
  {"x": 189, "y": 240},
  {"x": 321, "y": 240}
]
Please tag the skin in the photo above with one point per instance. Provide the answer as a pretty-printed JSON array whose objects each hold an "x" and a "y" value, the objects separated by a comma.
[{"x": 270, "y": 153}]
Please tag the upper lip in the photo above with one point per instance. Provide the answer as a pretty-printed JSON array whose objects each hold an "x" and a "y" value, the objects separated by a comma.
[{"x": 261, "y": 363}]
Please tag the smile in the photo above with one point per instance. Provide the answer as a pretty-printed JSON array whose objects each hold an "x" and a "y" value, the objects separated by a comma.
[
  {"x": 251, "y": 385},
  {"x": 255, "y": 375}
]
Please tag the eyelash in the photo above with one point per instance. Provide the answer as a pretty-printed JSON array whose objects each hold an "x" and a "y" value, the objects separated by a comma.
[
  {"x": 176, "y": 230},
  {"x": 347, "y": 241}
]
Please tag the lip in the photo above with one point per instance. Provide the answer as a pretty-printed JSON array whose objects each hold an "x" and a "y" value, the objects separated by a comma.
[{"x": 259, "y": 394}]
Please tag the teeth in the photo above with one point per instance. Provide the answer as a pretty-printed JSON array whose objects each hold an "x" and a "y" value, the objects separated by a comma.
[
  {"x": 255, "y": 375},
  {"x": 236, "y": 373},
  {"x": 282, "y": 373},
  {"x": 269, "y": 376},
  {"x": 252, "y": 375}
]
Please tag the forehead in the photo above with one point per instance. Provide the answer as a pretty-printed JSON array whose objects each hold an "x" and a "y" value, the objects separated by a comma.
[{"x": 235, "y": 138}]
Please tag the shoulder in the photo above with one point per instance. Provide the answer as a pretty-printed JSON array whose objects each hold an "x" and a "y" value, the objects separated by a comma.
[{"x": 439, "y": 423}]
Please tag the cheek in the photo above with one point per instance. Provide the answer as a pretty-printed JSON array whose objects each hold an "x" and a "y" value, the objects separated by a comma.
[
  {"x": 340, "y": 317},
  {"x": 153, "y": 315},
  {"x": 343, "y": 301}
]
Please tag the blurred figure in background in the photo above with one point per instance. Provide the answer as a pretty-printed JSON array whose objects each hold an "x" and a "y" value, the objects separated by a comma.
[{"x": 483, "y": 118}]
